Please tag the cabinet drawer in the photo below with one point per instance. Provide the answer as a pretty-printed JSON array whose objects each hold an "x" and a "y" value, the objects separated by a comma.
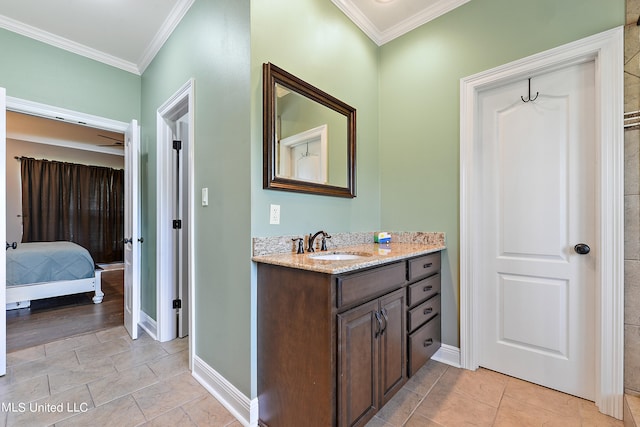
[
  {"x": 424, "y": 266},
  {"x": 423, "y": 343},
  {"x": 361, "y": 286},
  {"x": 420, "y": 314},
  {"x": 423, "y": 290}
]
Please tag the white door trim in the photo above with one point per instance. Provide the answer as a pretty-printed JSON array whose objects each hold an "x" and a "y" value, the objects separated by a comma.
[
  {"x": 164, "y": 274},
  {"x": 606, "y": 49}
]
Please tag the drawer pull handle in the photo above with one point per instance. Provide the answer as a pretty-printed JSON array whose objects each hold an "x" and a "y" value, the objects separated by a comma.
[
  {"x": 428, "y": 342},
  {"x": 427, "y": 288},
  {"x": 428, "y": 310},
  {"x": 427, "y": 265}
]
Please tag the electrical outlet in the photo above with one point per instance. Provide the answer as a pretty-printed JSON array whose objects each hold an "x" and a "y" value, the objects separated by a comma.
[{"x": 274, "y": 214}]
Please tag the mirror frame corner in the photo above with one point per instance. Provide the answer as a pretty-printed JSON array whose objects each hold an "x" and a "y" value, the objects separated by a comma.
[{"x": 272, "y": 75}]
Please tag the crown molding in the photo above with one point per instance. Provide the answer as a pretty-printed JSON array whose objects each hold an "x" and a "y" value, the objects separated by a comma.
[
  {"x": 167, "y": 27},
  {"x": 165, "y": 30},
  {"x": 66, "y": 44},
  {"x": 381, "y": 37}
]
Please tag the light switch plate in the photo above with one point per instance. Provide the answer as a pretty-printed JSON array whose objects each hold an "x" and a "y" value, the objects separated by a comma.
[
  {"x": 274, "y": 214},
  {"x": 205, "y": 196}
]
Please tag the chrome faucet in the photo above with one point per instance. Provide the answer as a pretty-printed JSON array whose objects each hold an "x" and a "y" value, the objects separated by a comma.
[{"x": 312, "y": 238}]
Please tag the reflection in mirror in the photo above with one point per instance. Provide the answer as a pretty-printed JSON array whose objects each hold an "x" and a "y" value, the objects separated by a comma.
[{"x": 309, "y": 137}]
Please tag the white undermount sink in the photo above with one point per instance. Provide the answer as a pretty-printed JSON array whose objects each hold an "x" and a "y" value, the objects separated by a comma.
[{"x": 338, "y": 256}]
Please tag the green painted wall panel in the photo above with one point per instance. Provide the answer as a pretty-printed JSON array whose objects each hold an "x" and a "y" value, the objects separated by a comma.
[
  {"x": 211, "y": 45},
  {"x": 419, "y": 106},
  {"x": 315, "y": 41},
  {"x": 39, "y": 72}
]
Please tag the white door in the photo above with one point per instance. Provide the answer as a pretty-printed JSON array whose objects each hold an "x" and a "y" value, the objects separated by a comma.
[
  {"x": 131, "y": 231},
  {"x": 3, "y": 229},
  {"x": 182, "y": 211},
  {"x": 538, "y": 159}
]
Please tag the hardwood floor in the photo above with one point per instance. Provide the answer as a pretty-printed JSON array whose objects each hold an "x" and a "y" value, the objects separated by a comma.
[{"x": 52, "y": 319}]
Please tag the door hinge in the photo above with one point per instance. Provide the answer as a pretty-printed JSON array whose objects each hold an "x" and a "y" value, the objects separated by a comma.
[
  {"x": 177, "y": 303},
  {"x": 177, "y": 224},
  {"x": 177, "y": 145}
]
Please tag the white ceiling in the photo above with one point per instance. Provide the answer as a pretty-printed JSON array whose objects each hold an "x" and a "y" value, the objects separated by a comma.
[
  {"x": 127, "y": 34},
  {"x": 384, "y": 20},
  {"x": 123, "y": 33}
]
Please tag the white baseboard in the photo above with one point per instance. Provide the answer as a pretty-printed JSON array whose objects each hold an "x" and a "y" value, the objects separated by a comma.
[
  {"x": 448, "y": 354},
  {"x": 148, "y": 325},
  {"x": 244, "y": 409}
]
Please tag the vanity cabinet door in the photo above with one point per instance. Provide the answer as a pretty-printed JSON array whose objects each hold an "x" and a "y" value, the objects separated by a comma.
[
  {"x": 358, "y": 361},
  {"x": 393, "y": 372}
]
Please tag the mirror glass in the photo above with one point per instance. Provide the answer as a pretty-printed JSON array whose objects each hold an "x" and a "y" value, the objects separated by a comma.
[{"x": 309, "y": 137}]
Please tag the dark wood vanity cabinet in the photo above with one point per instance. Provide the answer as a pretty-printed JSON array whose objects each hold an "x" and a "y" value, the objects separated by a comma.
[
  {"x": 423, "y": 310},
  {"x": 371, "y": 359},
  {"x": 333, "y": 349}
]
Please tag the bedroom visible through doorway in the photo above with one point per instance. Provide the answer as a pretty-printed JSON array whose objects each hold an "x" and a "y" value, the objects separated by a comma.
[{"x": 66, "y": 315}]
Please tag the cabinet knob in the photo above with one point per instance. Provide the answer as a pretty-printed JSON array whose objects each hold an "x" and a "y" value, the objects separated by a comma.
[
  {"x": 428, "y": 342},
  {"x": 427, "y": 265},
  {"x": 427, "y": 288},
  {"x": 428, "y": 310}
]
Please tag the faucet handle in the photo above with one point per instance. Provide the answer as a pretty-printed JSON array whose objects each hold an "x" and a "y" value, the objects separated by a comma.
[
  {"x": 323, "y": 246},
  {"x": 300, "y": 241}
]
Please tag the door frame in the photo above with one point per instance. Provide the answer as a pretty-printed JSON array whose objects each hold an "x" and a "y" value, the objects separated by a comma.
[
  {"x": 50, "y": 112},
  {"x": 165, "y": 313},
  {"x": 606, "y": 49}
]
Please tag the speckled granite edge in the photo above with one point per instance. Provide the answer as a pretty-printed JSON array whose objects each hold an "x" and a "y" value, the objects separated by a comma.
[{"x": 284, "y": 244}]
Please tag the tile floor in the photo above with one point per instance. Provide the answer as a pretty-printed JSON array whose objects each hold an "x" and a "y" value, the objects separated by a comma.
[{"x": 106, "y": 379}]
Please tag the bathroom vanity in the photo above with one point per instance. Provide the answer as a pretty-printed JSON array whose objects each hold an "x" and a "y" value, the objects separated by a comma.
[{"x": 338, "y": 338}]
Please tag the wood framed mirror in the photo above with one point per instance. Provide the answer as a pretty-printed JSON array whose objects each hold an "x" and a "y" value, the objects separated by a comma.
[{"x": 309, "y": 137}]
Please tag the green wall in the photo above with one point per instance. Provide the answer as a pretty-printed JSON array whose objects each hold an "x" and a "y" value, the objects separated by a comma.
[
  {"x": 211, "y": 45},
  {"x": 419, "y": 106},
  {"x": 42, "y": 73},
  {"x": 315, "y": 41}
]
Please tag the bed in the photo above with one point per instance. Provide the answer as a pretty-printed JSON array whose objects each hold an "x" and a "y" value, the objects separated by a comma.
[{"x": 49, "y": 269}]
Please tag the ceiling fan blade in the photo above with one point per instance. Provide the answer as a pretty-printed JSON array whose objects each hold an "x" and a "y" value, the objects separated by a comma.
[{"x": 112, "y": 138}]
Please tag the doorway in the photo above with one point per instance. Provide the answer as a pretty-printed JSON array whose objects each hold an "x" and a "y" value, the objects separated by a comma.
[
  {"x": 605, "y": 51},
  {"x": 37, "y": 109},
  {"x": 175, "y": 215}
]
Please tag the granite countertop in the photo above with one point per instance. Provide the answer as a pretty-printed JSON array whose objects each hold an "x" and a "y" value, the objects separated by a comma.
[{"x": 376, "y": 254}]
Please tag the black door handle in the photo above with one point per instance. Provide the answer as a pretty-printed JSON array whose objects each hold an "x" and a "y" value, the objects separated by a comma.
[{"x": 582, "y": 248}]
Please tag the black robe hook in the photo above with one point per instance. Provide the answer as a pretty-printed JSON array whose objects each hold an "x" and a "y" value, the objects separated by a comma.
[{"x": 529, "y": 99}]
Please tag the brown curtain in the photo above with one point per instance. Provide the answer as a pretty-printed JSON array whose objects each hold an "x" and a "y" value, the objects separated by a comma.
[{"x": 77, "y": 203}]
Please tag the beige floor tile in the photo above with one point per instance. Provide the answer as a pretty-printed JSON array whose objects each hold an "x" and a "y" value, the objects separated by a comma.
[
  {"x": 53, "y": 409},
  {"x": 138, "y": 355},
  {"x": 516, "y": 413},
  {"x": 591, "y": 417},
  {"x": 27, "y": 355},
  {"x": 104, "y": 349},
  {"x": 168, "y": 394},
  {"x": 207, "y": 411},
  {"x": 449, "y": 408},
  {"x": 551, "y": 400},
  {"x": 70, "y": 343},
  {"x": 46, "y": 365},
  {"x": 379, "y": 422},
  {"x": 121, "y": 412},
  {"x": 25, "y": 391},
  {"x": 177, "y": 345},
  {"x": 171, "y": 365},
  {"x": 112, "y": 334},
  {"x": 422, "y": 381},
  {"x": 418, "y": 420},
  {"x": 399, "y": 408},
  {"x": 81, "y": 374},
  {"x": 482, "y": 385},
  {"x": 175, "y": 417},
  {"x": 121, "y": 384}
]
